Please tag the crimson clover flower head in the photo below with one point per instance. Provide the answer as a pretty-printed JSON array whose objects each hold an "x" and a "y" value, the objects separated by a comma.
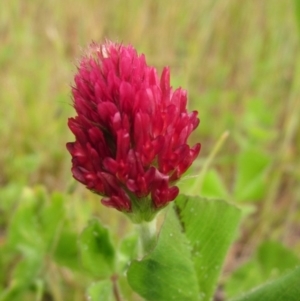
[{"x": 131, "y": 131}]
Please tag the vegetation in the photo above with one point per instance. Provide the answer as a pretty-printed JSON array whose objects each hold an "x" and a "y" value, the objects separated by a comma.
[{"x": 240, "y": 63}]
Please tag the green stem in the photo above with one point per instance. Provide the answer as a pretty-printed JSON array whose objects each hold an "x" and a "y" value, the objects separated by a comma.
[{"x": 147, "y": 237}]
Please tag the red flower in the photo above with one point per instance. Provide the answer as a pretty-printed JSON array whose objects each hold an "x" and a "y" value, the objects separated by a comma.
[{"x": 131, "y": 130}]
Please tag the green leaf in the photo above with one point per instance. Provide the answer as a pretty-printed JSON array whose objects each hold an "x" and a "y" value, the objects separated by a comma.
[
  {"x": 251, "y": 175},
  {"x": 185, "y": 183},
  {"x": 67, "y": 252},
  {"x": 286, "y": 288},
  {"x": 24, "y": 278},
  {"x": 9, "y": 194},
  {"x": 271, "y": 260},
  {"x": 52, "y": 219},
  {"x": 257, "y": 126},
  {"x": 167, "y": 273},
  {"x": 27, "y": 271},
  {"x": 128, "y": 250},
  {"x": 100, "y": 291},
  {"x": 213, "y": 186},
  {"x": 97, "y": 252},
  {"x": 210, "y": 226},
  {"x": 275, "y": 258},
  {"x": 243, "y": 279},
  {"x": 27, "y": 238}
]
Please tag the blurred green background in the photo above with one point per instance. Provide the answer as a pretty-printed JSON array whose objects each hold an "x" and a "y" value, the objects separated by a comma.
[{"x": 239, "y": 61}]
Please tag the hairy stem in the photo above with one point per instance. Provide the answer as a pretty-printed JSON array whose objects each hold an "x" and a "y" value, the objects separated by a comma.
[{"x": 147, "y": 237}]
